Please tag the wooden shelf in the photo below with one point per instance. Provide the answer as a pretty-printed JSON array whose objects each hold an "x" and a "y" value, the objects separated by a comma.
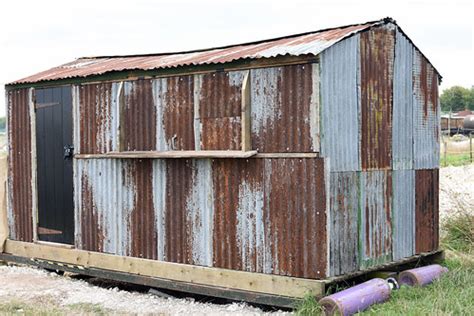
[{"x": 171, "y": 154}]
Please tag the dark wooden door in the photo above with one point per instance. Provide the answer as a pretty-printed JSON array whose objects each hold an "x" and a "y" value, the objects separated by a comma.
[{"x": 54, "y": 165}]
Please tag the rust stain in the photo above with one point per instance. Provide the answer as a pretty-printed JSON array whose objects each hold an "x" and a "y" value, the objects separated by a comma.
[
  {"x": 143, "y": 230},
  {"x": 220, "y": 97},
  {"x": 283, "y": 116},
  {"x": 377, "y": 57},
  {"x": 19, "y": 163},
  {"x": 178, "y": 239},
  {"x": 138, "y": 117},
  {"x": 95, "y": 114},
  {"x": 178, "y": 113},
  {"x": 92, "y": 236},
  {"x": 426, "y": 210},
  {"x": 221, "y": 133}
]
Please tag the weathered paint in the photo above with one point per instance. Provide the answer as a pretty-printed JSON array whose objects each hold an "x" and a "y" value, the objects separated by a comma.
[
  {"x": 376, "y": 70},
  {"x": 311, "y": 43},
  {"x": 177, "y": 97},
  {"x": 426, "y": 114},
  {"x": 340, "y": 109},
  {"x": 403, "y": 118},
  {"x": 97, "y": 122},
  {"x": 403, "y": 213},
  {"x": 238, "y": 214},
  {"x": 343, "y": 221},
  {"x": 20, "y": 203},
  {"x": 426, "y": 210},
  {"x": 283, "y": 108},
  {"x": 138, "y": 117},
  {"x": 375, "y": 236}
]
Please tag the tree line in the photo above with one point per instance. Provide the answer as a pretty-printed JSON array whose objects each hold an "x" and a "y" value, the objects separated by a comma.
[{"x": 457, "y": 99}]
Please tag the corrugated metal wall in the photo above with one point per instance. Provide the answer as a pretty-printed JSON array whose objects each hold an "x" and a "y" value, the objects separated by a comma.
[
  {"x": 376, "y": 60},
  {"x": 20, "y": 199},
  {"x": 426, "y": 114},
  {"x": 259, "y": 215},
  {"x": 340, "y": 107},
  {"x": 364, "y": 129},
  {"x": 403, "y": 118},
  {"x": 344, "y": 222},
  {"x": 427, "y": 210},
  {"x": 403, "y": 213},
  {"x": 375, "y": 236},
  {"x": 285, "y": 108}
]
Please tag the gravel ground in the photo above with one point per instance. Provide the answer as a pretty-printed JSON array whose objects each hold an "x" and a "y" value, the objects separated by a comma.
[
  {"x": 47, "y": 290},
  {"x": 456, "y": 190}
]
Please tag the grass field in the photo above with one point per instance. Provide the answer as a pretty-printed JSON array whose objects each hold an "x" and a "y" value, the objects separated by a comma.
[{"x": 453, "y": 294}]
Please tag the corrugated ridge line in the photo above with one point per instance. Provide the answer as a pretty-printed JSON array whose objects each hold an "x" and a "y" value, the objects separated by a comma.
[{"x": 340, "y": 108}]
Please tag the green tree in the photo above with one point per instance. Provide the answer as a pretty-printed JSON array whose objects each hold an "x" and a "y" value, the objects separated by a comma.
[
  {"x": 2, "y": 124},
  {"x": 471, "y": 99},
  {"x": 455, "y": 99}
]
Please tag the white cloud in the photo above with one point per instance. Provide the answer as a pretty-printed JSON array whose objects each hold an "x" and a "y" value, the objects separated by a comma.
[{"x": 37, "y": 35}]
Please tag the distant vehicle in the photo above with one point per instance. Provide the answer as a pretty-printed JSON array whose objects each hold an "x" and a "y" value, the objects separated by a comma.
[{"x": 459, "y": 123}]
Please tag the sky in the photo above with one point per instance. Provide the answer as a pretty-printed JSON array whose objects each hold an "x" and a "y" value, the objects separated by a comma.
[{"x": 38, "y": 35}]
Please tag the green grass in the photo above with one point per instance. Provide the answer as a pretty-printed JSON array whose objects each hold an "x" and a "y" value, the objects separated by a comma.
[
  {"x": 455, "y": 160},
  {"x": 453, "y": 294}
]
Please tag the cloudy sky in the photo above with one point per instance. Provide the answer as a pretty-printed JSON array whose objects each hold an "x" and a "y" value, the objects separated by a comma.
[{"x": 37, "y": 35}]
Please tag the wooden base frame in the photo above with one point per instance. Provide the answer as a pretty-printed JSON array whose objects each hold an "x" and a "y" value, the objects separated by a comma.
[{"x": 274, "y": 290}]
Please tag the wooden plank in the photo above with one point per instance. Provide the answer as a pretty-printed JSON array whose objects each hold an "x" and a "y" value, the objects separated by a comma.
[
  {"x": 172, "y": 154},
  {"x": 34, "y": 182},
  {"x": 245, "y": 118},
  {"x": 286, "y": 155},
  {"x": 239, "y": 280},
  {"x": 237, "y": 295}
]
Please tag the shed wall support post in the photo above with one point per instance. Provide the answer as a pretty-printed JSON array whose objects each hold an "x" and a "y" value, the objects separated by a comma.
[{"x": 246, "y": 139}]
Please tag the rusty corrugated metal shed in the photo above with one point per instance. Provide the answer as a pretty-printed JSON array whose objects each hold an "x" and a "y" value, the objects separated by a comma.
[
  {"x": 20, "y": 195},
  {"x": 310, "y": 43}
]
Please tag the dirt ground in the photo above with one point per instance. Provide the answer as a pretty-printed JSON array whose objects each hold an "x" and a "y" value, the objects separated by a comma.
[{"x": 22, "y": 287}]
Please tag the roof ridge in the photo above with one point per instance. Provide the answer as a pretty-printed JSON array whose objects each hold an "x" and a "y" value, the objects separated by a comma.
[{"x": 380, "y": 21}]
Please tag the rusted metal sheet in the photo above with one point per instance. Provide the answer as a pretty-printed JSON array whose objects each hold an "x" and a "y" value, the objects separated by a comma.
[
  {"x": 426, "y": 114},
  {"x": 343, "y": 222},
  {"x": 217, "y": 107},
  {"x": 403, "y": 213},
  {"x": 271, "y": 225},
  {"x": 375, "y": 236},
  {"x": 427, "y": 210},
  {"x": 402, "y": 127},
  {"x": 340, "y": 108},
  {"x": 174, "y": 102},
  {"x": 376, "y": 70},
  {"x": 258, "y": 215},
  {"x": 138, "y": 116},
  {"x": 285, "y": 109},
  {"x": 296, "y": 45},
  {"x": 96, "y": 118},
  {"x": 20, "y": 200}
]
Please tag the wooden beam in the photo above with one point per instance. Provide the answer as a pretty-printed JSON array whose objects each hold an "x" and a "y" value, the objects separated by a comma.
[
  {"x": 286, "y": 155},
  {"x": 171, "y": 154},
  {"x": 224, "y": 278},
  {"x": 245, "y": 118}
]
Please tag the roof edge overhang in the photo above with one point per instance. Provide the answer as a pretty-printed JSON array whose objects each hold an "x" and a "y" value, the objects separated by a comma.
[{"x": 206, "y": 67}]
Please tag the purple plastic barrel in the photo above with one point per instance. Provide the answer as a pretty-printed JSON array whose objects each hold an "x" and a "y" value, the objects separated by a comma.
[
  {"x": 357, "y": 298},
  {"x": 421, "y": 276}
]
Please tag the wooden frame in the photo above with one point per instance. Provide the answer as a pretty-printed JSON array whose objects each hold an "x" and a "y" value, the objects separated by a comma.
[{"x": 223, "y": 278}]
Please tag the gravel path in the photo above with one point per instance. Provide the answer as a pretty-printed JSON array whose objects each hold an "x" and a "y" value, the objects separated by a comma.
[
  {"x": 456, "y": 192},
  {"x": 40, "y": 288}
]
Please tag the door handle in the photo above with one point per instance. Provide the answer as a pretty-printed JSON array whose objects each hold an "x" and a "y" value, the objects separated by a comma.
[{"x": 68, "y": 151}]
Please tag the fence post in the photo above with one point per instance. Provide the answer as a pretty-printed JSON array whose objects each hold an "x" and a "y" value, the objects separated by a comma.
[
  {"x": 445, "y": 151},
  {"x": 470, "y": 145}
]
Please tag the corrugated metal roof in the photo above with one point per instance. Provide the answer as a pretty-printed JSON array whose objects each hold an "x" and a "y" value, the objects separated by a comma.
[{"x": 311, "y": 43}]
